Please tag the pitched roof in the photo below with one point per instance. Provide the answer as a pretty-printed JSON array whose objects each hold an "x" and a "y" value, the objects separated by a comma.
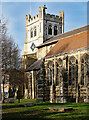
[
  {"x": 35, "y": 66},
  {"x": 70, "y": 43},
  {"x": 64, "y": 35}
]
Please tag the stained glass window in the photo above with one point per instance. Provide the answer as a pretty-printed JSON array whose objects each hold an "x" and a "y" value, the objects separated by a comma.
[
  {"x": 84, "y": 69},
  {"x": 50, "y": 74},
  {"x": 58, "y": 71},
  {"x": 73, "y": 71}
]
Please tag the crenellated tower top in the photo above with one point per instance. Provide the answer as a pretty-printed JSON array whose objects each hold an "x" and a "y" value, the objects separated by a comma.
[{"x": 41, "y": 27}]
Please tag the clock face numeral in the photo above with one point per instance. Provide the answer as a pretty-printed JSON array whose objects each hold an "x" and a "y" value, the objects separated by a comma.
[{"x": 33, "y": 46}]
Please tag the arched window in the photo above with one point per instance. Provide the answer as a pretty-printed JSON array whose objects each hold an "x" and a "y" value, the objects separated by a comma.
[
  {"x": 73, "y": 71},
  {"x": 59, "y": 65},
  {"x": 55, "y": 30},
  {"x": 35, "y": 31},
  {"x": 31, "y": 33},
  {"x": 50, "y": 73},
  {"x": 84, "y": 69},
  {"x": 50, "y": 29}
]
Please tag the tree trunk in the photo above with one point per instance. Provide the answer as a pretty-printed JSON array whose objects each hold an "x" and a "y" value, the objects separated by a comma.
[
  {"x": 18, "y": 100},
  {"x": 3, "y": 90}
]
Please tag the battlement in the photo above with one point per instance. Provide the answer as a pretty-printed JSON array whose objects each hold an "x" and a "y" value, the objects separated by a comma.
[
  {"x": 31, "y": 19},
  {"x": 52, "y": 17},
  {"x": 42, "y": 14}
]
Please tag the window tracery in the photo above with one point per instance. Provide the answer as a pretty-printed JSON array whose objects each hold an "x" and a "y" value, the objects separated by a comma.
[
  {"x": 31, "y": 33},
  {"x": 50, "y": 73},
  {"x": 35, "y": 31},
  {"x": 84, "y": 69},
  {"x": 59, "y": 65},
  {"x": 73, "y": 71}
]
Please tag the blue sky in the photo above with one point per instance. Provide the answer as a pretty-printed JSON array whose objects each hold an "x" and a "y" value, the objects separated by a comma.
[{"x": 75, "y": 16}]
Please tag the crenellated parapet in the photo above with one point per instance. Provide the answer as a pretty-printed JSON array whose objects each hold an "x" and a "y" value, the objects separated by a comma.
[
  {"x": 41, "y": 27},
  {"x": 36, "y": 17},
  {"x": 42, "y": 15},
  {"x": 30, "y": 19},
  {"x": 52, "y": 17}
]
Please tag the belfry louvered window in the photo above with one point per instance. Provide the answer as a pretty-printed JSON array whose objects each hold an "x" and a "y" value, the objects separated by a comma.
[
  {"x": 50, "y": 29},
  {"x": 55, "y": 30}
]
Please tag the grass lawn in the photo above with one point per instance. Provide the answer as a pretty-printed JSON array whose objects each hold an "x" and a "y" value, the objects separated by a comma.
[{"x": 12, "y": 111}]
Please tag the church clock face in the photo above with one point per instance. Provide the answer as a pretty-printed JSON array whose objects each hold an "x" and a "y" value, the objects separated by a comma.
[{"x": 33, "y": 46}]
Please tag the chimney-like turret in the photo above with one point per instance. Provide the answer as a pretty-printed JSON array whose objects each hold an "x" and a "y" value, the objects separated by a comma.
[
  {"x": 42, "y": 11},
  {"x": 61, "y": 16}
]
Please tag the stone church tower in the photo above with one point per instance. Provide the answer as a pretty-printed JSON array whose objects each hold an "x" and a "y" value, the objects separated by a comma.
[{"x": 39, "y": 29}]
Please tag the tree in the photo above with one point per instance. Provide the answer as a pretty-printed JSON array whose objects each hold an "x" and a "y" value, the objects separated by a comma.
[
  {"x": 11, "y": 60},
  {"x": 0, "y": 60},
  {"x": 3, "y": 31}
]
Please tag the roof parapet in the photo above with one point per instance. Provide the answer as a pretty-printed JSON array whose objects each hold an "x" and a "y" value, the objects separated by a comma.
[
  {"x": 52, "y": 16},
  {"x": 31, "y": 19}
]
